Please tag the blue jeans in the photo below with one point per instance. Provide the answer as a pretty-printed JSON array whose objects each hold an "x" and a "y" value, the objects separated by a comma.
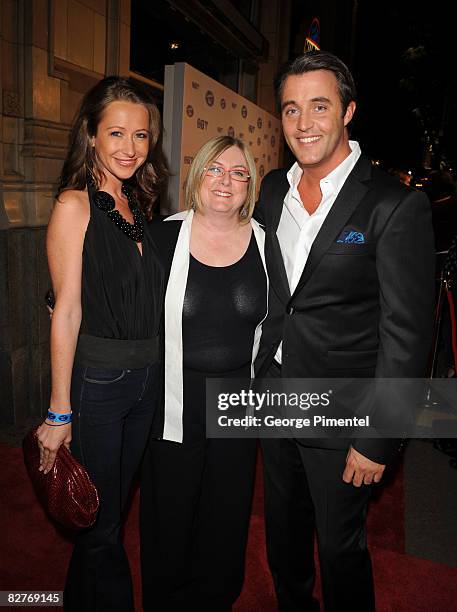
[{"x": 112, "y": 415}]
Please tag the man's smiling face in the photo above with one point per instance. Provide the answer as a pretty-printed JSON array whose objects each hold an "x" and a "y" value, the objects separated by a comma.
[{"x": 313, "y": 120}]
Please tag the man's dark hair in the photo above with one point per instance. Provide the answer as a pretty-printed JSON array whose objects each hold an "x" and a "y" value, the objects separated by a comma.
[{"x": 319, "y": 60}]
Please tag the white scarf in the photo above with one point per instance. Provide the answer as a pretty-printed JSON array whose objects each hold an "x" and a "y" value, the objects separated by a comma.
[{"x": 174, "y": 299}]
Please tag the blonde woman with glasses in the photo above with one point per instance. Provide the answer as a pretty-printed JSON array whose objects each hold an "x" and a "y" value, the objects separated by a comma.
[{"x": 197, "y": 492}]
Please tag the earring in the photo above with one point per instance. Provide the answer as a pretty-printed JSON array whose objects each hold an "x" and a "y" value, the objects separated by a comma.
[{"x": 244, "y": 212}]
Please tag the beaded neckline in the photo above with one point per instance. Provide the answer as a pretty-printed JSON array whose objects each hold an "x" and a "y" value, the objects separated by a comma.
[{"x": 105, "y": 202}]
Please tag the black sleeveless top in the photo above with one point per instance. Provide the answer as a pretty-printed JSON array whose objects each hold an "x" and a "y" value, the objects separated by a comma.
[
  {"x": 222, "y": 307},
  {"x": 122, "y": 291}
]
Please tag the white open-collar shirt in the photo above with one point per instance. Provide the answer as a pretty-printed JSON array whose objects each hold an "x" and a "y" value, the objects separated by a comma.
[{"x": 297, "y": 229}]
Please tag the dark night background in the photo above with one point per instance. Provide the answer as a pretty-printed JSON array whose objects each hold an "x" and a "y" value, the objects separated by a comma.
[
  {"x": 405, "y": 67},
  {"x": 401, "y": 53}
]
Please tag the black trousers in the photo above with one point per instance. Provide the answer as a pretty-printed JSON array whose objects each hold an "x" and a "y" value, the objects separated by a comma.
[
  {"x": 304, "y": 494},
  {"x": 112, "y": 414},
  {"x": 195, "y": 508}
]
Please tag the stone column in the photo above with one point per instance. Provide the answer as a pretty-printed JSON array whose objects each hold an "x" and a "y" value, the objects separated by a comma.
[
  {"x": 275, "y": 26},
  {"x": 32, "y": 146}
]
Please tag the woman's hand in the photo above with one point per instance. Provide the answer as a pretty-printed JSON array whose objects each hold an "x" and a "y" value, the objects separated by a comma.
[{"x": 50, "y": 438}]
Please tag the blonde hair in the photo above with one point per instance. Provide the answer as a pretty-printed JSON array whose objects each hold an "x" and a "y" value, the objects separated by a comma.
[{"x": 207, "y": 154}]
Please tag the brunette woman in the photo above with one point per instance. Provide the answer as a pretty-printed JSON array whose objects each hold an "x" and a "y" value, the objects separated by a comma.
[{"x": 108, "y": 285}]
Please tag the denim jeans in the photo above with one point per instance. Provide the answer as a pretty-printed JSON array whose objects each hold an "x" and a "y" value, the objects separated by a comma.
[{"x": 112, "y": 415}]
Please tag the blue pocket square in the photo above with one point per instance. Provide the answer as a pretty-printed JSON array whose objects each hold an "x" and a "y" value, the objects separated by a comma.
[{"x": 351, "y": 236}]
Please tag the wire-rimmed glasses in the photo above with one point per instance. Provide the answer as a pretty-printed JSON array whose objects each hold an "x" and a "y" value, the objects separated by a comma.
[{"x": 237, "y": 174}]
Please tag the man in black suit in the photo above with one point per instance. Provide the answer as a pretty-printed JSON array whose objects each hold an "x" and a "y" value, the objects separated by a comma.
[{"x": 350, "y": 257}]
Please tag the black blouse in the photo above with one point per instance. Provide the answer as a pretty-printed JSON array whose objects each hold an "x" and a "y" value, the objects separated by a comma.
[
  {"x": 222, "y": 307},
  {"x": 122, "y": 291}
]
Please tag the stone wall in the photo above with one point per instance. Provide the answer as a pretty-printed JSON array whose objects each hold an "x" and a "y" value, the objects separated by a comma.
[{"x": 24, "y": 324}]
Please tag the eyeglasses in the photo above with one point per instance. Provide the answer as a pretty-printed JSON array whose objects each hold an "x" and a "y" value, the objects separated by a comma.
[{"x": 236, "y": 174}]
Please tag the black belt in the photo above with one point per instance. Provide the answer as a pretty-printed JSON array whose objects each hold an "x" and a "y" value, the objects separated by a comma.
[{"x": 97, "y": 352}]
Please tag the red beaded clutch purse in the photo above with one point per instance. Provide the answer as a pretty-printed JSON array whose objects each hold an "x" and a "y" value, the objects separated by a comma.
[{"x": 66, "y": 492}]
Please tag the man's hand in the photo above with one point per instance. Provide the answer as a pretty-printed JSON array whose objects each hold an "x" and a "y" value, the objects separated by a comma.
[{"x": 361, "y": 470}]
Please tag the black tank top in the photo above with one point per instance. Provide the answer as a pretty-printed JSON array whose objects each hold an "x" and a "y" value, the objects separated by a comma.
[
  {"x": 222, "y": 307},
  {"x": 122, "y": 290}
]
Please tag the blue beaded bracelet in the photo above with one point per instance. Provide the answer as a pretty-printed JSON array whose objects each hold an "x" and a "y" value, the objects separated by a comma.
[{"x": 57, "y": 417}]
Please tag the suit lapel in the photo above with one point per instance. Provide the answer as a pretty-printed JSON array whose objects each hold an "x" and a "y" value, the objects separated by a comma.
[
  {"x": 350, "y": 196},
  {"x": 275, "y": 262}
]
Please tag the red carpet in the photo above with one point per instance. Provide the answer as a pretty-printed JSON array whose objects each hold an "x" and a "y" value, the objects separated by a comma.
[{"x": 35, "y": 554}]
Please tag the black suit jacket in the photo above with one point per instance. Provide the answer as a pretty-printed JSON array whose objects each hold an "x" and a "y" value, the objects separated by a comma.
[{"x": 359, "y": 310}]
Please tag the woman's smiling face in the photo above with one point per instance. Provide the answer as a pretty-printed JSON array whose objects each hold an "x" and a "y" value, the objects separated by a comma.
[
  {"x": 122, "y": 139},
  {"x": 225, "y": 194}
]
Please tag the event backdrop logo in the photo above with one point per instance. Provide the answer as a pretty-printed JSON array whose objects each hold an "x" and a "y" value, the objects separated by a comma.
[{"x": 209, "y": 97}]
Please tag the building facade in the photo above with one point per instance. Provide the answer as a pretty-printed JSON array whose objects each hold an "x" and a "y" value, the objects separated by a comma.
[{"x": 52, "y": 52}]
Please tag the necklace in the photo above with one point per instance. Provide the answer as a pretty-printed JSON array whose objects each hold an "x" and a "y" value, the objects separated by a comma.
[{"x": 105, "y": 201}]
